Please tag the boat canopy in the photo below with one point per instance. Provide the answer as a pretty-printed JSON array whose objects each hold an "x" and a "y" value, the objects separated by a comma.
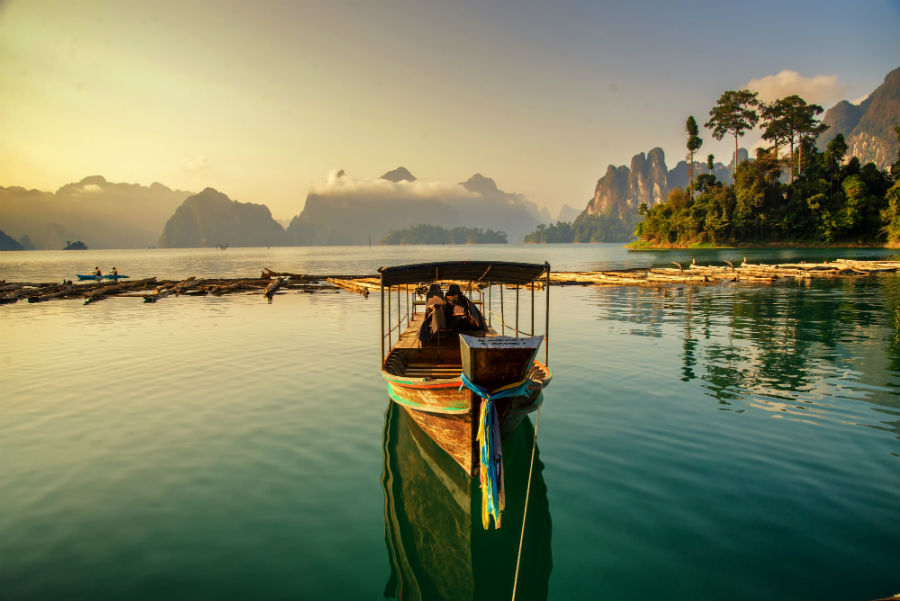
[{"x": 503, "y": 272}]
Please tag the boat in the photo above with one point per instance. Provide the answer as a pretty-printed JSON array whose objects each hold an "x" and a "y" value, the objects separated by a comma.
[
  {"x": 105, "y": 276},
  {"x": 436, "y": 546},
  {"x": 453, "y": 383}
]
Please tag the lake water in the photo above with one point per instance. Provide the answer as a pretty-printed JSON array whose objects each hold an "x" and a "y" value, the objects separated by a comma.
[{"x": 735, "y": 442}]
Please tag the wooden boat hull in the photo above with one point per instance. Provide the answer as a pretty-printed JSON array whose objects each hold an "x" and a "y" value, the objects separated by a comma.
[{"x": 450, "y": 415}]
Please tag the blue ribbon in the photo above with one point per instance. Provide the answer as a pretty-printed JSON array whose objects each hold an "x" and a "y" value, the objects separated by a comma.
[{"x": 519, "y": 390}]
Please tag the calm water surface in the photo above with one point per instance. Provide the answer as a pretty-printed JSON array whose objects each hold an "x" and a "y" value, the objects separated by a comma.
[{"x": 696, "y": 443}]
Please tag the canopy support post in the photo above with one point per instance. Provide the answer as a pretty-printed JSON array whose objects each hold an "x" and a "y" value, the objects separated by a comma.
[{"x": 382, "y": 317}]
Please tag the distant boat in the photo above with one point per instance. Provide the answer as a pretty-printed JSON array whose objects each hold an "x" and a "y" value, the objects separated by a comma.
[
  {"x": 105, "y": 276},
  {"x": 77, "y": 245}
]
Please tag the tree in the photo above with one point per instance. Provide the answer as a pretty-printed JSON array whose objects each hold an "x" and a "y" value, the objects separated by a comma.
[
  {"x": 775, "y": 126},
  {"x": 733, "y": 114},
  {"x": 792, "y": 120},
  {"x": 807, "y": 126},
  {"x": 693, "y": 143},
  {"x": 834, "y": 156}
]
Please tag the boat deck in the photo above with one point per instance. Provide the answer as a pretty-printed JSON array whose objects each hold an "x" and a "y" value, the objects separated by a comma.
[{"x": 437, "y": 358}]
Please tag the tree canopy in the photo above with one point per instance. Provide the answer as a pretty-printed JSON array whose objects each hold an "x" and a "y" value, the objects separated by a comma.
[{"x": 734, "y": 113}]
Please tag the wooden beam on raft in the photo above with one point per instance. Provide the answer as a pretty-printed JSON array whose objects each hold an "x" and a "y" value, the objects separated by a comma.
[
  {"x": 229, "y": 286},
  {"x": 101, "y": 293},
  {"x": 61, "y": 291},
  {"x": 169, "y": 288},
  {"x": 273, "y": 287},
  {"x": 357, "y": 286}
]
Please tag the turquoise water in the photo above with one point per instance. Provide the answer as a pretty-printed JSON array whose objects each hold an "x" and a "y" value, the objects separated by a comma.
[{"x": 696, "y": 443}]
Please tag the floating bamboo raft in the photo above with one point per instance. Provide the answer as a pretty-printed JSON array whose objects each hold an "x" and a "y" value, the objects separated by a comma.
[
  {"x": 747, "y": 273},
  {"x": 271, "y": 283}
]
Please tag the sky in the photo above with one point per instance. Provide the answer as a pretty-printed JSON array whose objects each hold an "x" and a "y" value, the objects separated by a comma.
[{"x": 262, "y": 100}]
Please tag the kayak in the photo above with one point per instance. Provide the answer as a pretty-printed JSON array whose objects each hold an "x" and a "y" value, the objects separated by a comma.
[{"x": 105, "y": 276}]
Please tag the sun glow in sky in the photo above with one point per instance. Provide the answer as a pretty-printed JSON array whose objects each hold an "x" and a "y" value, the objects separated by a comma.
[{"x": 262, "y": 100}]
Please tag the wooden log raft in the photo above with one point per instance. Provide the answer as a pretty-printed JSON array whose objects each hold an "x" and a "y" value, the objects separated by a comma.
[{"x": 693, "y": 274}]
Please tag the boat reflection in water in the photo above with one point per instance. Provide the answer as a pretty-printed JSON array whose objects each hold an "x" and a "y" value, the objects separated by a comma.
[{"x": 436, "y": 544}]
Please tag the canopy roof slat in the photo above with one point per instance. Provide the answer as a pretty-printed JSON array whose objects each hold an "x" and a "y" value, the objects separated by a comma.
[{"x": 504, "y": 272}]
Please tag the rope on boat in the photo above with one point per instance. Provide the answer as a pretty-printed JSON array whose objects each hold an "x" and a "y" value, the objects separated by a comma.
[
  {"x": 510, "y": 326},
  {"x": 493, "y": 494}
]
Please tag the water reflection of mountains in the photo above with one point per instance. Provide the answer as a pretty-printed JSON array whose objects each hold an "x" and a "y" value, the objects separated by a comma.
[
  {"x": 436, "y": 544},
  {"x": 786, "y": 346}
]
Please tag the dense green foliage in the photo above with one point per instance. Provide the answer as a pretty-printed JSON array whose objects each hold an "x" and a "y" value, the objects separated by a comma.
[
  {"x": 830, "y": 202},
  {"x": 433, "y": 234},
  {"x": 827, "y": 200},
  {"x": 585, "y": 228}
]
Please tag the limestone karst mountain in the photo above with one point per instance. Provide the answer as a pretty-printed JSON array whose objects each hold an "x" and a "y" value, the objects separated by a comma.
[
  {"x": 210, "y": 218},
  {"x": 102, "y": 213},
  {"x": 622, "y": 190},
  {"x": 868, "y": 127},
  {"x": 354, "y": 211}
]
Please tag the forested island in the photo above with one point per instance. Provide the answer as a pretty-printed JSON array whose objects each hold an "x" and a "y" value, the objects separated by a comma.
[
  {"x": 808, "y": 186},
  {"x": 825, "y": 199},
  {"x": 585, "y": 228},
  {"x": 434, "y": 234}
]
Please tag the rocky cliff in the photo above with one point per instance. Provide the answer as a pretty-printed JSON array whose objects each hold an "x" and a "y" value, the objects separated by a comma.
[
  {"x": 211, "y": 218},
  {"x": 868, "y": 127},
  {"x": 647, "y": 180},
  {"x": 622, "y": 190}
]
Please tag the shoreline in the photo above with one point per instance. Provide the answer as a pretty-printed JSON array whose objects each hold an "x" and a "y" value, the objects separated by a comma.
[{"x": 638, "y": 245}]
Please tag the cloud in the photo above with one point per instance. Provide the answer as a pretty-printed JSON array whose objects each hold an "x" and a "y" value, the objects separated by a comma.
[
  {"x": 339, "y": 184},
  {"x": 91, "y": 189},
  {"x": 199, "y": 163},
  {"x": 821, "y": 89}
]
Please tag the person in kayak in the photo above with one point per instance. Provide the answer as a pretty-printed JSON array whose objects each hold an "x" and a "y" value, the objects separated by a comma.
[
  {"x": 97, "y": 273},
  {"x": 115, "y": 271}
]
